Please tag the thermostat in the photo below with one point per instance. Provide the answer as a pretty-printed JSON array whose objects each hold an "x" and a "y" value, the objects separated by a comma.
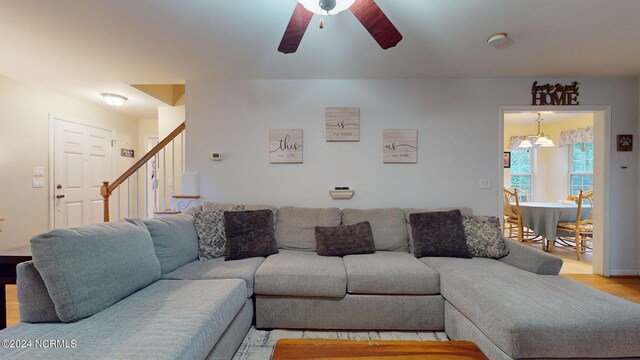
[{"x": 216, "y": 156}]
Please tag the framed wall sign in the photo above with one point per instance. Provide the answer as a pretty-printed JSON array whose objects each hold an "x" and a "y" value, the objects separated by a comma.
[
  {"x": 400, "y": 146},
  {"x": 506, "y": 160},
  {"x": 127, "y": 153},
  {"x": 285, "y": 146},
  {"x": 625, "y": 142},
  {"x": 342, "y": 124}
]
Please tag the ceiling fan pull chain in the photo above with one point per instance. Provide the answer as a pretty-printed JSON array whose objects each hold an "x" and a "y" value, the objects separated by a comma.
[{"x": 321, "y": 23}]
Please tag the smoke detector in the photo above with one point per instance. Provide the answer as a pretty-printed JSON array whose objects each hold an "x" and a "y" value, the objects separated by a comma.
[{"x": 497, "y": 39}]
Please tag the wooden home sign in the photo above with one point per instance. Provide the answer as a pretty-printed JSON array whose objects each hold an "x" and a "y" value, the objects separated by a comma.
[
  {"x": 558, "y": 94},
  {"x": 285, "y": 146}
]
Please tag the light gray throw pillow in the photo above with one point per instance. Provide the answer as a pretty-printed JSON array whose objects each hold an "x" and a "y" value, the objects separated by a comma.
[
  {"x": 212, "y": 239},
  {"x": 484, "y": 236},
  {"x": 90, "y": 268}
]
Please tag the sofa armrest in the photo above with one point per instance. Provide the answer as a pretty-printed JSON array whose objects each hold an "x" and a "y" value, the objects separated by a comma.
[{"x": 530, "y": 259}]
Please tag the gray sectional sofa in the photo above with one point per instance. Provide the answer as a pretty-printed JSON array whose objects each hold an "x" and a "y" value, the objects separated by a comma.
[{"x": 134, "y": 290}]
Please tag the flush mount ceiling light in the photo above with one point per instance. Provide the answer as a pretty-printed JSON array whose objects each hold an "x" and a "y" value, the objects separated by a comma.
[
  {"x": 539, "y": 140},
  {"x": 326, "y": 7},
  {"x": 497, "y": 39},
  {"x": 113, "y": 99}
]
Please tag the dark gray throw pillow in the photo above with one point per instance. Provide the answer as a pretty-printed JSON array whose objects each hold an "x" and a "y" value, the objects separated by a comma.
[
  {"x": 345, "y": 240},
  {"x": 249, "y": 234},
  {"x": 439, "y": 233}
]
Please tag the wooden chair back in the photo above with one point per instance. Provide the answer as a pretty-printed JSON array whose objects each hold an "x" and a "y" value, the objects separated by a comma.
[
  {"x": 585, "y": 196},
  {"x": 509, "y": 198}
]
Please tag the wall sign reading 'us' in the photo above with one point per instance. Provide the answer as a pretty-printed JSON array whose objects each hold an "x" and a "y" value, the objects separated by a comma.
[
  {"x": 400, "y": 146},
  {"x": 342, "y": 124},
  {"x": 285, "y": 146}
]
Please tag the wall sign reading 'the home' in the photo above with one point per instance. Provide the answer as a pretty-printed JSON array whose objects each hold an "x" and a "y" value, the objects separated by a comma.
[{"x": 557, "y": 94}]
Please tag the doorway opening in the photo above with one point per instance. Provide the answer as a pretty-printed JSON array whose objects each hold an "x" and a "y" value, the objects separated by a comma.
[{"x": 549, "y": 179}]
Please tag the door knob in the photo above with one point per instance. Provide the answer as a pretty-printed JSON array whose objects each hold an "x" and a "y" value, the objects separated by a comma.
[{"x": 59, "y": 196}]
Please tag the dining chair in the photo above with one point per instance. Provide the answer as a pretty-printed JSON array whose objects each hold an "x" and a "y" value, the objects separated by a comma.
[
  {"x": 581, "y": 230},
  {"x": 512, "y": 219}
]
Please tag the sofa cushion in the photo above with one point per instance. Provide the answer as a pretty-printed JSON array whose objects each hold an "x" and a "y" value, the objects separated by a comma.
[
  {"x": 301, "y": 273},
  {"x": 388, "y": 226},
  {"x": 537, "y": 316},
  {"x": 408, "y": 211},
  {"x": 212, "y": 239},
  {"x": 175, "y": 240},
  {"x": 35, "y": 303},
  {"x": 484, "y": 236},
  {"x": 345, "y": 240},
  {"x": 295, "y": 226},
  {"x": 167, "y": 320},
  {"x": 249, "y": 234},
  {"x": 218, "y": 268},
  {"x": 439, "y": 234},
  {"x": 389, "y": 272},
  {"x": 90, "y": 268}
]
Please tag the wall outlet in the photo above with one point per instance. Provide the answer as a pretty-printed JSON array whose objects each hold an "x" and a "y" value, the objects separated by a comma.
[
  {"x": 484, "y": 183},
  {"x": 38, "y": 182},
  {"x": 38, "y": 171},
  {"x": 216, "y": 156}
]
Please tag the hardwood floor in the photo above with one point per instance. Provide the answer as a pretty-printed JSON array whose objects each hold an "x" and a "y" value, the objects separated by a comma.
[{"x": 627, "y": 287}]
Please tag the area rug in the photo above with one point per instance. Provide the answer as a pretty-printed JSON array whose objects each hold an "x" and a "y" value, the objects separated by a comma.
[{"x": 259, "y": 344}]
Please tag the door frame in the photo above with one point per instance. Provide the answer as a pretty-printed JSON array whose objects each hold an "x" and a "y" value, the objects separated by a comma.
[
  {"x": 52, "y": 121},
  {"x": 602, "y": 181}
]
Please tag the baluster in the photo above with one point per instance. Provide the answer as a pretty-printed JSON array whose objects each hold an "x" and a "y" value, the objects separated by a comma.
[
  {"x": 173, "y": 168},
  {"x": 137, "y": 214},
  {"x": 119, "y": 205},
  {"x": 146, "y": 190},
  {"x": 182, "y": 152},
  {"x": 128, "y": 198},
  {"x": 155, "y": 187},
  {"x": 164, "y": 178}
]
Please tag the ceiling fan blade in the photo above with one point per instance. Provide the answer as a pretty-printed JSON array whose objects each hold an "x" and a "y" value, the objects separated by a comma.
[
  {"x": 376, "y": 22},
  {"x": 295, "y": 30}
]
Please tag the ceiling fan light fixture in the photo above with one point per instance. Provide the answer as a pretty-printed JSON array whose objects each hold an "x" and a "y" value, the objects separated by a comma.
[
  {"x": 320, "y": 6},
  {"x": 114, "y": 99}
]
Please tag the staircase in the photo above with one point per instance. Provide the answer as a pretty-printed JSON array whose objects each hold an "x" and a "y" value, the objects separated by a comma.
[{"x": 148, "y": 188}]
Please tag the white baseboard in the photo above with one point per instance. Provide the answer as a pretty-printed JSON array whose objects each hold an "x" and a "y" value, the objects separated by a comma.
[{"x": 624, "y": 273}]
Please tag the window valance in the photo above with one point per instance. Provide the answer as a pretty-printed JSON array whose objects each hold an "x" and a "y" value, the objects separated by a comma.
[
  {"x": 574, "y": 136},
  {"x": 515, "y": 141}
]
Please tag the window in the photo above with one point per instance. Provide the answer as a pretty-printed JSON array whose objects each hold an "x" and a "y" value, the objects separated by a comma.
[
  {"x": 521, "y": 174},
  {"x": 580, "y": 167}
]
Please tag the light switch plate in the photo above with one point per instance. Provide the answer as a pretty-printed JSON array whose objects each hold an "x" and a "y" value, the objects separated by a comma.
[
  {"x": 484, "y": 183},
  {"x": 38, "y": 171},
  {"x": 38, "y": 182}
]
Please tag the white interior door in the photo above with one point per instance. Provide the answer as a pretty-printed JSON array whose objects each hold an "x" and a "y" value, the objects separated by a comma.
[{"x": 82, "y": 161}]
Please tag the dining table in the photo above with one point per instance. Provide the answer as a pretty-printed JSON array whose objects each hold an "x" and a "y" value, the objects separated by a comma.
[{"x": 542, "y": 217}]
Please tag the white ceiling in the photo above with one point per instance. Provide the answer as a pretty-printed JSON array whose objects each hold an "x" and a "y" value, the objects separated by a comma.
[{"x": 85, "y": 47}]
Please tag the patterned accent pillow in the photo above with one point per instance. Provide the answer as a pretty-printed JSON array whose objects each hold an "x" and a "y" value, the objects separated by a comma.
[
  {"x": 249, "y": 234},
  {"x": 212, "y": 239},
  {"x": 345, "y": 240},
  {"x": 439, "y": 233},
  {"x": 484, "y": 236}
]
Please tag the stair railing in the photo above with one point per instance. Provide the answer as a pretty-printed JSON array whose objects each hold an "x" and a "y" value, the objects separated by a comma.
[{"x": 157, "y": 153}]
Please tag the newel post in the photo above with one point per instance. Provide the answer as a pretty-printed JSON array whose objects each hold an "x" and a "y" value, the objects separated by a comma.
[{"x": 104, "y": 191}]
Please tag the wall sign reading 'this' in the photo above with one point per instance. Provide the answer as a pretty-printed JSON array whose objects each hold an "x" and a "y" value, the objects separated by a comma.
[{"x": 557, "y": 94}]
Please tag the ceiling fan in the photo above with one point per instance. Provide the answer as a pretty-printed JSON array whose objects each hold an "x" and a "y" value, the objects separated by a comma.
[{"x": 366, "y": 11}]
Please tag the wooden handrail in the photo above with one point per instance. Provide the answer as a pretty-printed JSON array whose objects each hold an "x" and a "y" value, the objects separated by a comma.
[{"x": 106, "y": 189}]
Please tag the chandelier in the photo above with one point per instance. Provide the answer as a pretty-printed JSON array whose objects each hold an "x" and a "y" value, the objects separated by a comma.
[{"x": 539, "y": 140}]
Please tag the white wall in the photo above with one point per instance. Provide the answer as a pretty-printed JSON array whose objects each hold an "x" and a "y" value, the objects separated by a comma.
[
  {"x": 24, "y": 143},
  {"x": 458, "y": 133}
]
